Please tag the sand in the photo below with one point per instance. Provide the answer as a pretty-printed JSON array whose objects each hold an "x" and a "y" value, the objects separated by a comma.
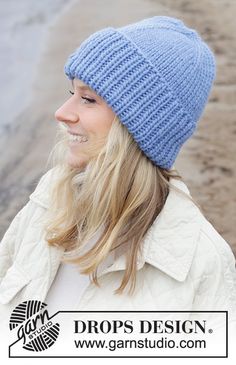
[{"x": 207, "y": 161}]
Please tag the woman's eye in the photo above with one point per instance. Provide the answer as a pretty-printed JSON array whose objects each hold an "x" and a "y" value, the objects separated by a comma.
[
  {"x": 82, "y": 97},
  {"x": 88, "y": 99}
]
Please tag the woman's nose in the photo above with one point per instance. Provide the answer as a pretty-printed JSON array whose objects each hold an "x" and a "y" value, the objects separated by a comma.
[{"x": 66, "y": 113}]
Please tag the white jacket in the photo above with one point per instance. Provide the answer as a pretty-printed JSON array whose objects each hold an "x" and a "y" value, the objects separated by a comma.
[{"x": 186, "y": 264}]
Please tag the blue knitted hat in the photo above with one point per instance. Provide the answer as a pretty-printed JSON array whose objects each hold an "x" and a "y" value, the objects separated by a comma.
[{"x": 155, "y": 74}]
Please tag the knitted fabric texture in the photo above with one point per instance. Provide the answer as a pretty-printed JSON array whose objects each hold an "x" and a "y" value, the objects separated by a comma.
[{"x": 155, "y": 74}]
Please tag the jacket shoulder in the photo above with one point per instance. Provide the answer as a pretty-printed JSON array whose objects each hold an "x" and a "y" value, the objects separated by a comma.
[
  {"x": 22, "y": 222},
  {"x": 14, "y": 235},
  {"x": 41, "y": 194},
  {"x": 213, "y": 248}
]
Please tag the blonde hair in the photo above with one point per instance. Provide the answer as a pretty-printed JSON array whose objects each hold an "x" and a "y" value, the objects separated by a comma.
[{"x": 119, "y": 189}]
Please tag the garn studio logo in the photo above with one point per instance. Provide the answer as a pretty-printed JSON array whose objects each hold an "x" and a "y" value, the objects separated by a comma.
[{"x": 34, "y": 325}]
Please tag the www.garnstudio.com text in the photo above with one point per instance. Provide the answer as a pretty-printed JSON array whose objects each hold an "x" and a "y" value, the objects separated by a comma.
[{"x": 146, "y": 343}]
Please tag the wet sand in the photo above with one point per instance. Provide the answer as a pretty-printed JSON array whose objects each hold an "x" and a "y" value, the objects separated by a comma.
[{"x": 207, "y": 161}]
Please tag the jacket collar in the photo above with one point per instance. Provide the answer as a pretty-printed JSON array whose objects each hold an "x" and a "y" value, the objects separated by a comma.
[{"x": 170, "y": 242}]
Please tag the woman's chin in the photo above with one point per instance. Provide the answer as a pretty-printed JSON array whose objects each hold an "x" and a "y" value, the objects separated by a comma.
[{"x": 76, "y": 161}]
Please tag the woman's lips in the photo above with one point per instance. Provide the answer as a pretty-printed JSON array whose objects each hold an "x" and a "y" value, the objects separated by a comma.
[{"x": 75, "y": 139}]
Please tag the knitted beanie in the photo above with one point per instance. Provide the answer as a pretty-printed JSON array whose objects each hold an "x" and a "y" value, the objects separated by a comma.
[{"x": 155, "y": 74}]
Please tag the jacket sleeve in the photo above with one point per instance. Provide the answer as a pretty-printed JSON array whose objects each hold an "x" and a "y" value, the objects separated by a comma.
[
  {"x": 13, "y": 236},
  {"x": 216, "y": 289},
  {"x": 217, "y": 285}
]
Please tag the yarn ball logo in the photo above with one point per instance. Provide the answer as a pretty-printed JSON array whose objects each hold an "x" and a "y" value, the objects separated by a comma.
[{"x": 34, "y": 325}]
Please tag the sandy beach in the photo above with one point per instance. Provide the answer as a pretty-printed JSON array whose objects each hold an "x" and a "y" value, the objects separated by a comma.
[{"x": 206, "y": 162}]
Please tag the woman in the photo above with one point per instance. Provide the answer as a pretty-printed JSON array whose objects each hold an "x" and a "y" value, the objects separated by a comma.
[{"x": 112, "y": 226}]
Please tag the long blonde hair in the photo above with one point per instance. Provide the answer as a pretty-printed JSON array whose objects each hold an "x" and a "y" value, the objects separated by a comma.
[{"x": 120, "y": 189}]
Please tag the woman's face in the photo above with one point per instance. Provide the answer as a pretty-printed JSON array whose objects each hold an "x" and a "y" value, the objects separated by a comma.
[{"x": 85, "y": 114}]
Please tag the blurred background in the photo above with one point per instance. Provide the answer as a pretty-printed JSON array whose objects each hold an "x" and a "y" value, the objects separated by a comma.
[{"x": 37, "y": 37}]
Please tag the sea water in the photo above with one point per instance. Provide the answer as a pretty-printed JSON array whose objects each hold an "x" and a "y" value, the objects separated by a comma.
[{"x": 23, "y": 28}]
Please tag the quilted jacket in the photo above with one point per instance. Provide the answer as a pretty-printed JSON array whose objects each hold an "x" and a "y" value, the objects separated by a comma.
[{"x": 186, "y": 264}]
